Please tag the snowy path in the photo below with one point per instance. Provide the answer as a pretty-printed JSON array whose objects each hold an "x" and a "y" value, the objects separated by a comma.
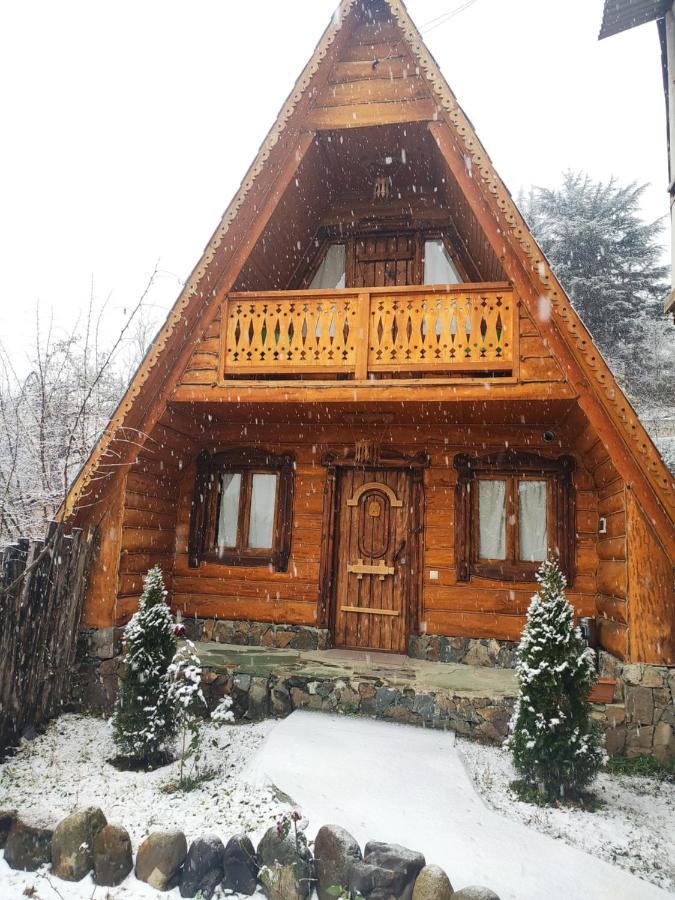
[{"x": 408, "y": 785}]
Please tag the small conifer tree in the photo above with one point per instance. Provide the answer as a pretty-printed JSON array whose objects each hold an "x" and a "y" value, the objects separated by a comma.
[
  {"x": 188, "y": 702},
  {"x": 144, "y": 718},
  {"x": 555, "y": 745}
]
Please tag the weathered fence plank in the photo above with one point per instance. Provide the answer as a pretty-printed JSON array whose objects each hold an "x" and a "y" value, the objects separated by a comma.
[{"x": 39, "y": 621}]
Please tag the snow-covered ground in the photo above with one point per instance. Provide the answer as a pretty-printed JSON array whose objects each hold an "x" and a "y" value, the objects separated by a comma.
[
  {"x": 66, "y": 769},
  {"x": 379, "y": 780},
  {"x": 634, "y": 828}
]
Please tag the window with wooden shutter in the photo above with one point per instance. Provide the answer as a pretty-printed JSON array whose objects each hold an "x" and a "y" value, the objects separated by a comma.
[
  {"x": 242, "y": 509},
  {"x": 512, "y": 511}
]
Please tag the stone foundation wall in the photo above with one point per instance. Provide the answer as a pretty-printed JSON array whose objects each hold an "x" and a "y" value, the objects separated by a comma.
[
  {"x": 641, "y": 720},
  {"x": 470, "y": 651},
  {"x": 257, "y": 697},
  {"x": 256, "y": 634}
]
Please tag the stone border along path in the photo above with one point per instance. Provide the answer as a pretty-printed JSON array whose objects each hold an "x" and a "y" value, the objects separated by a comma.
[
  {"x": 472, "y": 700},
  {"x": 409, "y": 786},
  {"x": 283, "y": 865}
]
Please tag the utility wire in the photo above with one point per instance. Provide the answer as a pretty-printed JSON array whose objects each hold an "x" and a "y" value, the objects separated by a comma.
[{"x": 442, "y": 18}]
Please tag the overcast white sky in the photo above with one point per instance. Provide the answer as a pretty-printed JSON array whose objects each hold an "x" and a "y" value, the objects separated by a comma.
[{"x": 128, "y": 125}]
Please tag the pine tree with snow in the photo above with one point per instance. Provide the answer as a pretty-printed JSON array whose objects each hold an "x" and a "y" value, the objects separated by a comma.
[
  {"x": 144, "y": 718},
  {"x": 555, "y": 745},
  {"x": 188, "y": 702}
]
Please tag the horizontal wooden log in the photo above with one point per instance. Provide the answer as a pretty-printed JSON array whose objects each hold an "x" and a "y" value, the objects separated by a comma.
[
  {"x": 146, "y": 484},
  {"x": 587, "y": 500},
  {"x": 613, "y": 637},
  {"x": 199, "y": 376},
  {"x": 613, "y": 608},
  {"x": 131, "y": 563},
  {"x": 368, "y": 52},
  {"x": 515, "y": 600},
  {"x": 375, "y": 90},
  {"x": 616, "y": 525},
  {"x": 477, "y": 625},
  {"x": 292, "y": 613},
  {"x": 540, "y": 369},
  {"x": 611, "y": 492},
  {"x": 249, "y": 582},
  {"x": 605, "y": 473},
  {"x": 145, "y": 518},
  {"x": 532, "y": 346},
  {"x": 137, "y": 501},
  {"x": 612, "y": 548},
  {"x": 369, "y": 114},
  {"x": 392, "y": 67},
  {"x": 148, "y": 540},
  {"x": 612, "y": 578},
  {"x": 587, "y": 521}
]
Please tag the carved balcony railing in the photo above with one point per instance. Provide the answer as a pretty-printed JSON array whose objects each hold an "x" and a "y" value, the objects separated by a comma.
[{"x": 462, "y": 328}]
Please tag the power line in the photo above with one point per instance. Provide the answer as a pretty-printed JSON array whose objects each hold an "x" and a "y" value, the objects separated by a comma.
[{"x": 442, "y": 18}]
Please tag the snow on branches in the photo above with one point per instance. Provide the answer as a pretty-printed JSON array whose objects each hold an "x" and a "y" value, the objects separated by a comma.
[{"x": 555, "y": 745}]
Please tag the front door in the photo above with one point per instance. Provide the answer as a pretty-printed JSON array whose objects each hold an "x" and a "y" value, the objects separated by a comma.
[
  {"x": 373, "y": 577},
  {"x": 386, "y": 260}
]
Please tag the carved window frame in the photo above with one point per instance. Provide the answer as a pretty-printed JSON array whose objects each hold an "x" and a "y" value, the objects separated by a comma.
[
  {"x": 247, "y": 461},
  {"x": 513, "y": 466}
]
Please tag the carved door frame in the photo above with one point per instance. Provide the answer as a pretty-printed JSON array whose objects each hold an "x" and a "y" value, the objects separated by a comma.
[{"x": 368, "y": 455}]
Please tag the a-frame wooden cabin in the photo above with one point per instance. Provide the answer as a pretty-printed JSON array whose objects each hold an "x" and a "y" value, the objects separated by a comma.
[{"x": 373, "y": 409}]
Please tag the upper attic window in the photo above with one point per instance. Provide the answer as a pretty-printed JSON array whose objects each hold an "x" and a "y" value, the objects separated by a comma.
[
  {"x": 438, "y": 265},
  {"x": 331, "y": 272}
]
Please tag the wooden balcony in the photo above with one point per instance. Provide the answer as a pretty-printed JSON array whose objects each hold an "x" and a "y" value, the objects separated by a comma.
[{"x": 364, "y": 333}]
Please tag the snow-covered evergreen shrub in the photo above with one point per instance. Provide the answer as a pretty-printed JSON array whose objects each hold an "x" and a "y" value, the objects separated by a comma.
[
  {"x": 188, "y": 702},
  {"x": 144, "y": 720},
  {"x": 555, "y": 745}
]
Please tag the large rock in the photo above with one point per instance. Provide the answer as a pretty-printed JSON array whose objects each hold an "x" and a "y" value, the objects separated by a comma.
[
  {"x": 335, "y": 851},
  {"x": 387, "y": 871},
  {"x": 28, "y": 846},
  {"x": 73, "y": 843},
  {"x": 432, "y": 884},
  {"x": 159, "y": 858},
  {"x": 277, "y": 853},
  {"x": 203, "y": 868},
  {"x": 112, "y": 856},
  {"x": 7, "y": 819},
  {"x": 241, "y": 866},
  {"x": 475, "y": 892}
]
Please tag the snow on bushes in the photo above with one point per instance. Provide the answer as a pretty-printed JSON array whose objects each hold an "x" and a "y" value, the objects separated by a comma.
[
  {"x": 144, "y": 722},
  {"x": 555, "y": 745}
]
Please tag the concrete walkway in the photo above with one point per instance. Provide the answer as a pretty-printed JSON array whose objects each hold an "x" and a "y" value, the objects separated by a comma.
[
  {"x": 406, "y": 785},
  {"x": 396, "y": 671}
]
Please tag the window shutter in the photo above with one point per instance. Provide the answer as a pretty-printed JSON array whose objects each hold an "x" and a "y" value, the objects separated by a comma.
[{"x": 199, "y": 512}]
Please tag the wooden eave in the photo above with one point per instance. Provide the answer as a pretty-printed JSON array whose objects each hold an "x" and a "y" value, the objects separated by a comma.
[{"x": 608, "y": 410}]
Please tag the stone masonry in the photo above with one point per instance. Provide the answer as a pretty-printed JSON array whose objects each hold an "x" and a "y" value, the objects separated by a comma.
[{"x": 641, "y": 720}]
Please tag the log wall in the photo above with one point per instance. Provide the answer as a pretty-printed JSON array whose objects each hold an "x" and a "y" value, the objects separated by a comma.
[{"x": 484, "y": 607}]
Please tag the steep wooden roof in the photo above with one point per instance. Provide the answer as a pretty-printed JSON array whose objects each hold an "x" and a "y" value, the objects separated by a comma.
[{"x": 285, "y": 146}]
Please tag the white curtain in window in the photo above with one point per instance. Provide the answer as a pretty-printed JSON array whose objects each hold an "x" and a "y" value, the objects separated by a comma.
[
  {"x": 228, "y": 514},
  {"x": 438, "y": 266},
  {"x": 532, "y": 520},
  {"x": 263, "y": 502},
  {"x": 491, "y": 519},
  {"x": 331, "y": 272}
]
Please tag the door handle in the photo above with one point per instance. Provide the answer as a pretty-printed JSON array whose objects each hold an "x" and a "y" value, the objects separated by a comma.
[{"x": 398, "y": 552}]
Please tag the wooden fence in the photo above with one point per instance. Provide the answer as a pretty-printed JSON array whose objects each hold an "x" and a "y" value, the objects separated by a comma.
[{"x": 39, "y": 621}]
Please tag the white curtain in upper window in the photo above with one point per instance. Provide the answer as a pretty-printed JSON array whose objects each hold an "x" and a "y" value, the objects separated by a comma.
[
  {"x": 532, "y": 520},
  {"x": 491, "y": 519},
  {"x": 263, "y": 502},
  {"x": 331, "y": 272},
  {"x": 228, "y": 515},
  {"x": 438, "y": 266}
]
